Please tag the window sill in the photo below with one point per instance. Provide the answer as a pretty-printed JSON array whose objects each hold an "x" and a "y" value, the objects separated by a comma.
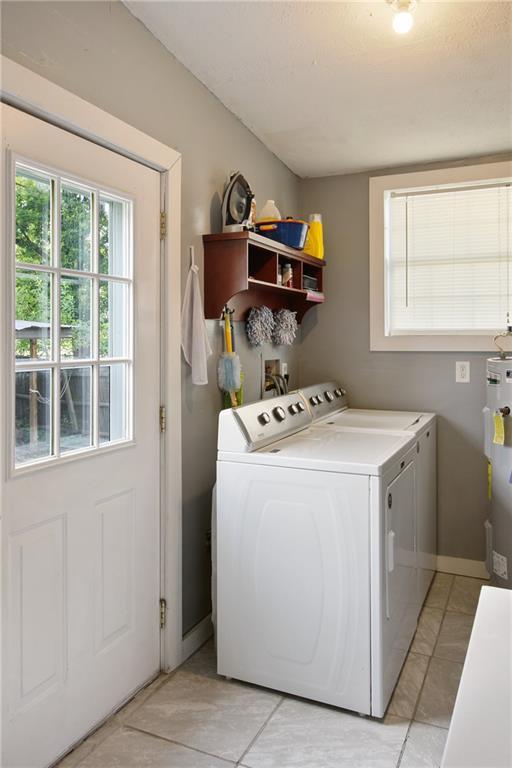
[
  {"x": 433, "y": 343},
  {"x": 48, "y": 462}
]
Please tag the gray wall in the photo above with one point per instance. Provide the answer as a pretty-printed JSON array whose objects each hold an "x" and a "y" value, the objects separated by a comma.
[
  {"x": 102, "y": 53},
  {"x": 335, "y": 344},
  {"x": 99, "y": 51}
]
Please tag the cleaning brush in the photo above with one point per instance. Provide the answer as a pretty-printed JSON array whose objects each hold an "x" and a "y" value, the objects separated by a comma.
[{"x": 229, "y": 370}]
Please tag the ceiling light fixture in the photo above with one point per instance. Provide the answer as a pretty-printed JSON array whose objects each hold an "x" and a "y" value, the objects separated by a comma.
[{"x": 403, "y": 18}]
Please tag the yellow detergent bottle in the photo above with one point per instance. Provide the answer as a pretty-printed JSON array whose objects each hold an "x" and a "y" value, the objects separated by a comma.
[{"x": 315, "y": 239}]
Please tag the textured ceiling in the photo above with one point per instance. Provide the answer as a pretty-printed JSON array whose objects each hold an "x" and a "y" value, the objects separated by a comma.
[{"x": 330, "y": 88}]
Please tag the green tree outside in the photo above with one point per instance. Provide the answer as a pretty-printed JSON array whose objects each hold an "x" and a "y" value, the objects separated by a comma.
[{"x": 33, "y": 246}]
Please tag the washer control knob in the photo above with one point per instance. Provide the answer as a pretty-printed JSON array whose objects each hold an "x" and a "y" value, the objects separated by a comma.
[
  {"x": 338, "y": 392},
  {"x": 319, "y": 399},
  {"x": 329, "y": 396},
  {"x": 279, "y": 413},
  {"x": 293, "y": 409},
  {"x": 264, "y": 418},
  {"x": 300, "y": 407},
  {"x": 313, "y": 400}
]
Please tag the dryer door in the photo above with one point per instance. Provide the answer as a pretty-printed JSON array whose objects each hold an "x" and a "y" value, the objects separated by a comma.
[{"x": 400, "y": 559}]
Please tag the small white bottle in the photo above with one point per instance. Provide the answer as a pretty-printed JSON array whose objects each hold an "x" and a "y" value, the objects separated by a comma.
[
  {"x": 287, "y": 276},
  {"x": 269, "y": 212}
]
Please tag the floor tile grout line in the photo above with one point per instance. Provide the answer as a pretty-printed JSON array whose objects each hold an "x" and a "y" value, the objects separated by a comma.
[
  {"x": 434, "y": 725},
  {"x": 417, "y": 653},
  {"x": 269, "y": 718},
  {"x": 430, "y": 657},
  {"x": 445, "y": 611},
  {"x": 439, "y": 633},
  {"x": 114, "y": 718},
  {"x": 411, "y": 723},
  {"x": 450, "y": 592},
  {"x": 179, "y": 744},
  {"x": 117, "y": 716},
  {"x": 461, "y": 613},
  {"x": 416, "y": 705},
  {"x": 402, "y": 750},
  {"x": 168, "y": 677}
]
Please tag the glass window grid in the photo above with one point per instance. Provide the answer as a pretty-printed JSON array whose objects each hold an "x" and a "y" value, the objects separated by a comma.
[{"x": 55, "y": 363}]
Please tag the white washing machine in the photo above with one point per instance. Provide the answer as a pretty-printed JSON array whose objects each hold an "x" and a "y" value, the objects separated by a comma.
[
  {"x": 329, "y": 407},
  {"x": 316, "y": 560}
]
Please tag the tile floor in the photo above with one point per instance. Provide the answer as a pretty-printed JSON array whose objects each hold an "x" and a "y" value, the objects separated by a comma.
[{"x": 195, "y": 719}]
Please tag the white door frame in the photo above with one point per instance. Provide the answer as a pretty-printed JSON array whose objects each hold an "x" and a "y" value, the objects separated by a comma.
[{"x": 22, "y": 88}]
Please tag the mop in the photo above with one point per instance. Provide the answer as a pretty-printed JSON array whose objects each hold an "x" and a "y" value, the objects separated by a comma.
[{"x": 229, "y": 370}]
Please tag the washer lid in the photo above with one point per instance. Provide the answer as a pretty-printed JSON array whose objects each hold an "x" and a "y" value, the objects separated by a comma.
[
  {"x": 400, "y": 421},
  {"x": 353, "y": 452}
]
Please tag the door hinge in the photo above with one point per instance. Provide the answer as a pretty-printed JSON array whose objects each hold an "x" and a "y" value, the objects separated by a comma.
[
  {"x": 163, "y": 419},
  {"x": 163, "y": 225},
  {"x": 163, "y": 612}
]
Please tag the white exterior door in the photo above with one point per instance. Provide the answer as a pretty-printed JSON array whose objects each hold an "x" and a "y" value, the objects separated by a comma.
[{"x": 81, "y": 442}]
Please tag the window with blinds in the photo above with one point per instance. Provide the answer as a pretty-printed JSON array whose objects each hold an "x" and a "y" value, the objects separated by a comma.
[{"x": 448, "y": 256}]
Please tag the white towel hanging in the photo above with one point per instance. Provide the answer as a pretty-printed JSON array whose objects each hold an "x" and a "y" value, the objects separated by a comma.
[{"x": 194, "y": 338}]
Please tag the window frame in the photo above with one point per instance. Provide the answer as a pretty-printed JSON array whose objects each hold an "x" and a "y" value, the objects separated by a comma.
[
  {"x": 379, "y": 187},
  {"x": 56, "y": 363}
]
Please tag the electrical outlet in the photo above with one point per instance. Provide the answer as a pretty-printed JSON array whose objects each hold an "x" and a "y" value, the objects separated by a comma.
[
  {"x": 462, "y": 372},
  {"x": 499, "y": 565},
  {"x": 284, "y": 369}
]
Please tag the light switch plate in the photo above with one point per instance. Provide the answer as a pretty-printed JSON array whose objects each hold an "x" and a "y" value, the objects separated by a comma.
[{"x": 462, "y": 372}]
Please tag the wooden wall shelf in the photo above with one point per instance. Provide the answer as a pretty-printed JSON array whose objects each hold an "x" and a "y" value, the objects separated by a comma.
[{"x": 240, "y": 268}]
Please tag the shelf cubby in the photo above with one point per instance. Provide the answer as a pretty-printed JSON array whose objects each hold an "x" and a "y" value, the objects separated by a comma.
[{"x": 241, "y": 268}]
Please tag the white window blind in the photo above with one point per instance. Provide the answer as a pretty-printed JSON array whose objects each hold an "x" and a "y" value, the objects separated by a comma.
[{"x": 449, "y": 259}]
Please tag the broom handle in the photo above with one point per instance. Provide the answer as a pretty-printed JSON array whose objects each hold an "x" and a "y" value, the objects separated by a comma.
[{"x": 227, "y": 333}]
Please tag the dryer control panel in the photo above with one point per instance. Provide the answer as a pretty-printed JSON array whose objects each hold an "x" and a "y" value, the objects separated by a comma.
[{"x": 325, "y": 399}]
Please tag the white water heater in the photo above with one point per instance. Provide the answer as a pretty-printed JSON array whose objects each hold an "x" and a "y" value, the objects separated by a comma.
[{"x": 498, "y": 449}]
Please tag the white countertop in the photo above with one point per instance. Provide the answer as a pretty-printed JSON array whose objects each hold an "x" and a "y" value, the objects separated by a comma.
[{"x": 480, "y": 734}]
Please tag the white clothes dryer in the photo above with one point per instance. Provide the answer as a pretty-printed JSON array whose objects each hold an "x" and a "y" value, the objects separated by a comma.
[
  {"x": 316, "y": 561},
  {"x": 329, "y": 407}
]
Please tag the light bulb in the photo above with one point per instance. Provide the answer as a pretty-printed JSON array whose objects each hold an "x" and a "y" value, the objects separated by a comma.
[{"x": 402, "y": 22}]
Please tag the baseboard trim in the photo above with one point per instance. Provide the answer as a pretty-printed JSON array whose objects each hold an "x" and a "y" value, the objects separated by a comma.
[
  {"x": 196, "y": 637},
  {"x": 462, "y": 567}
]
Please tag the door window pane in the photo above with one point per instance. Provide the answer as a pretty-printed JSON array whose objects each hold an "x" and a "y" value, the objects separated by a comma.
[
  {"x": 76, "y": 228},
  {"x": 113, "y": 234},
  {"x": 75, "y": 408},
  {"x": 113, "y": 397},
  {"x": 114, "y": 319},
  {"x": 33, "y": 315},
  {"x": 75, "y": 317},
  {"x": 33, "y": 416},
  {"x": 33, "y": 217}
]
